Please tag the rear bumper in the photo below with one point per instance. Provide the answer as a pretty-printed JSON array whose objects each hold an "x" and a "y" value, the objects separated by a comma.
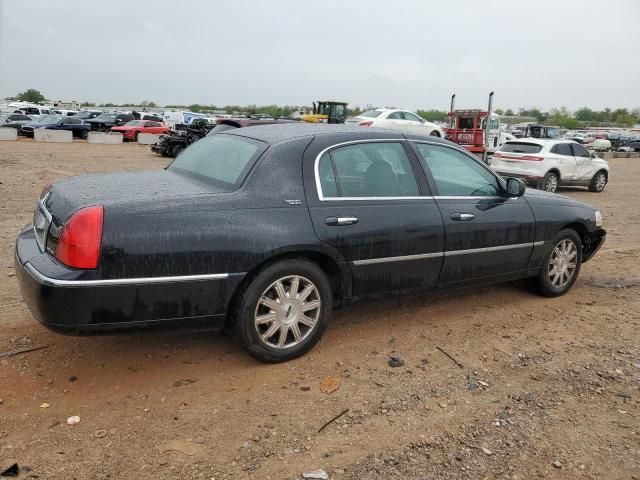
[{"x": 64, "y": 301}]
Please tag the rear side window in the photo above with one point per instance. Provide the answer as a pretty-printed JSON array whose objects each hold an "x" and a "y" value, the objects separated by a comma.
[
  {"x": 223, "y": 160},
  {"x": 520, "y": 147},
  {"x": 456, "y": 174},
  {"x": 562, "y": 149},
  {"x": 579, "y": 150},
  {"x": 371, "y": 114},
  {"x": 378, "y": 169}
]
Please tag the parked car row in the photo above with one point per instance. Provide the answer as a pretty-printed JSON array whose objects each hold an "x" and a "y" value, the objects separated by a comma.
[{"x": 82, "y": 123}]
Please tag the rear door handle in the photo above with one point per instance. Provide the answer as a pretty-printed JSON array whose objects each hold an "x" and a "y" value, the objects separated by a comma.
[
  {"x": 462, "y": 217},
  {"x": 338, "y": 221}
]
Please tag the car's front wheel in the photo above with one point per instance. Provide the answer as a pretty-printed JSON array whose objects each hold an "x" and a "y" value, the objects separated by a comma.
[
  {"x": 435, "y": 133},
  {"x": 550, "y": 182},
  {"x": 284, "y": 311},
  {"x": 598, "y": 182},
  {"x": 561, "y": 265}
]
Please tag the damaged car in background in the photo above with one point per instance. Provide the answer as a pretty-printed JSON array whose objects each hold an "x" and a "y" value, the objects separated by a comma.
[{"x": 265, "y": 230}]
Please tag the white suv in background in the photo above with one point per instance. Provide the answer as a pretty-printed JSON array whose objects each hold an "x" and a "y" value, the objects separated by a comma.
[
  {"x": 394, "y": 119},
  {"x": 547, "y": 164}
]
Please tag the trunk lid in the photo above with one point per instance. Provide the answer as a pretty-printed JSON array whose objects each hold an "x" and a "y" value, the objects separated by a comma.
[{"x": 68, "y": 195}]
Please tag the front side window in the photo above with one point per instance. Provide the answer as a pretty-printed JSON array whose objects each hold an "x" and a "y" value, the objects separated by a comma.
[
  {"x": 222, "y": 160},
  {"x": 376, "y": 169},
  {"x": 457, "y": 174},
  {"x": 412, "y": 117}
]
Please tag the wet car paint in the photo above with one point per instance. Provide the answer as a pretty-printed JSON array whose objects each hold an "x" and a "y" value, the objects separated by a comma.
[{"x": 162, "y": 224}]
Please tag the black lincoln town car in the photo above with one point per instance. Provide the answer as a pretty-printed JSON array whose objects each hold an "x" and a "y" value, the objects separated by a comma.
[{"x": 267, "y": 229}]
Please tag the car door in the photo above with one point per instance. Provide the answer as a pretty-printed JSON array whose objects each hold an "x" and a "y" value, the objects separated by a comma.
[
  {"x": 152, "y": 127},
  {"x": 487, "y": 233},
  {"x": 365, "y": 200},
  {"x": 584, "y": 169},
  {"x": 394, "y": 119},
  {"x": 563, "y": 155}
]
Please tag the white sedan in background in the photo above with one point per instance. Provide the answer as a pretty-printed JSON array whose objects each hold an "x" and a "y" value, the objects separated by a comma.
[{"x": 397, "y": 120}]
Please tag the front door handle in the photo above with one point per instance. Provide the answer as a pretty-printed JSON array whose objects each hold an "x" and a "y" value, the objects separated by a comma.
[
  {"x": 338, "y": 221},
  {"x": 462, "y": 217}
]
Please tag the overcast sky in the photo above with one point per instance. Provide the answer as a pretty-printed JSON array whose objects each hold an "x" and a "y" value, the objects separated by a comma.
[{"x": 410, "y": 54}]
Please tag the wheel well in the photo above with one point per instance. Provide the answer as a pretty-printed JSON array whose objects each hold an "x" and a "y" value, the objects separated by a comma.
[
  {"x": 580, "y": 229},
  {"x": 326, "y": 263},
  {"x": 606, "y": 174},
  {"x": 435, "y": 133},
  {"x": 556, "y": 171}
]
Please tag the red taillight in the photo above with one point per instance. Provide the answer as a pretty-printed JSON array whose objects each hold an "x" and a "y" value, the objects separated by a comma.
[
  {"x": 532, "y": 158},
  {"x": 80, "y": 239},
  {"x": 366, "y": 123},
  {"x": 498, "y": 154}
]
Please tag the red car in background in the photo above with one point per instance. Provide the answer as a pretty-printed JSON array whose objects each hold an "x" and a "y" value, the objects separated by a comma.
[{"x": 130, "y": 130}]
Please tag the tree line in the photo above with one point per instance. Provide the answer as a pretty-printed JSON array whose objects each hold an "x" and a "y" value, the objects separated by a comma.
[{"x": 561, "y": 117}]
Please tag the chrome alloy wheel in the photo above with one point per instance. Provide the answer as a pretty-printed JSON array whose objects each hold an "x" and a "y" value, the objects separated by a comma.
[
  {"x": 601, "y": 182},
  {"x": 551, "y": 184},
  {"x": 563, "y": 263},
  {"x": 287, "y": 312}
]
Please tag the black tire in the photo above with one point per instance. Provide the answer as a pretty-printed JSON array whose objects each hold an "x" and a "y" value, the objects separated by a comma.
[
  {"x": 248, "y": 308},
  {"x": 135, "y": 137},
  {"x": 542, "y": 283},
  {"x": 435, "y": 133},
  {"x": 550, "y": 182},
  {"x": 84, "y": 134},
  {"x": 597, "y": 184},
  {"x": 175, "y": 151}
]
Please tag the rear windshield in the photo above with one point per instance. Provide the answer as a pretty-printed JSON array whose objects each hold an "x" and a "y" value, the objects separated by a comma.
[
  {"x": 371, "y": 114},
  {"x": 223, "y": 160},
  {"x": 520, "y": 147}
]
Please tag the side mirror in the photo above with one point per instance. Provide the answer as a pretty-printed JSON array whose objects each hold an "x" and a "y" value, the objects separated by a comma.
[
  {"x": 593, "y": 155},
  {"x": 515, "y": 187}
]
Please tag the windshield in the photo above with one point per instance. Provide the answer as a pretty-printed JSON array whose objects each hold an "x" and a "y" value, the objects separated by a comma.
[
  {"x": 371, "y": 114},
  {"x": 106, "y": 117},
  {"x": 49, "y": 119},
  {"x": 135, "y": 123},
  {"x": 82, "y": 115},
  {"x": 520, "y": 147},
  {"x": 220, "y": 159}
]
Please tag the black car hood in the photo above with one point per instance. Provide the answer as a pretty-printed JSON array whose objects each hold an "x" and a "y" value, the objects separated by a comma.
[
  {"x": 129, "y": 188},
  {"x": 540, "y": 197}
]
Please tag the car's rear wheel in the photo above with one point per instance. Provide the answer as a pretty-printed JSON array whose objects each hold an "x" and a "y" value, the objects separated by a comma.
[
  {"x": 284, "y": 311},
  {"x": 550, "y": 182},
  {"x": 561, "y": 265},
  {"x": 84, "y": 134},
  {"x": 598, "y": 182}
]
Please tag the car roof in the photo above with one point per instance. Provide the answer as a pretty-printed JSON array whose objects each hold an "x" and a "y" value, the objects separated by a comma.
[{"x": 276, "y": 133}]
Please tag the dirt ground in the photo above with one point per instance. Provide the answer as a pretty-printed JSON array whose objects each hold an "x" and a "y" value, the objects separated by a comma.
[{"x": 546, "y": 388}]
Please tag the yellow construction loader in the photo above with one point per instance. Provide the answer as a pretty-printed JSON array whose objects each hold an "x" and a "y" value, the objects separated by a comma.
[{"x": 327, "y": 111}]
